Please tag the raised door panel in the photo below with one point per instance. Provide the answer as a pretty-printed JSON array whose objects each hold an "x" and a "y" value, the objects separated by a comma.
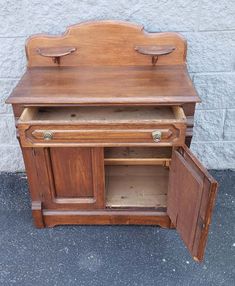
[
  {"x": 191, "y": 197},
  {"x": 67, "y": 178},
  {"x": 76, "y": 177},
  {"x": 72, "y": 172}
]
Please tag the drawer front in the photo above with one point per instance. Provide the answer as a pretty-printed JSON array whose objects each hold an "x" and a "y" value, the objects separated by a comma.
[{"x": 60, "y": 135}]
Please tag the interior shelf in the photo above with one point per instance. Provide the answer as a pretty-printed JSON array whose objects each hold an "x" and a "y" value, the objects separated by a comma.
[
  {"x": 137, "y": 152},
  {"x": 136, "y": 186},
  {"x": 137, "y": 156}
]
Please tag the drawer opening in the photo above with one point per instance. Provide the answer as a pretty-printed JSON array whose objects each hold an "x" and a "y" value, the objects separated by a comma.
[
  {"x": 103, "y": 114},
  {"x": 131, "y": 186}
]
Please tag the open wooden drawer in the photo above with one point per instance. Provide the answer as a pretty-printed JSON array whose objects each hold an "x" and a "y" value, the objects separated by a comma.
[{"x": 102, "y": 126}]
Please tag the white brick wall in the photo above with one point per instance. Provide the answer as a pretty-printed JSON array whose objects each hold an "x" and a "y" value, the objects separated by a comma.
[{"x": 208, "y": 25}]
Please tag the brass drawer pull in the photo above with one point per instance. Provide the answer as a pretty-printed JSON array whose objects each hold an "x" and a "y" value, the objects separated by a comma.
[
  {"x": 48, "y": 135},
  {"x": 156, "y": 134}
]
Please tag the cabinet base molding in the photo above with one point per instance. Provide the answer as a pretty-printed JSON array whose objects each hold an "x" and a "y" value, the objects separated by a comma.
[{"x": 106, "y": 217}]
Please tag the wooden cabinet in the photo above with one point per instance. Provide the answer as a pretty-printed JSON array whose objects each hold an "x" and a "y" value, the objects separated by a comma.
[{"x": 103, "y": 119}]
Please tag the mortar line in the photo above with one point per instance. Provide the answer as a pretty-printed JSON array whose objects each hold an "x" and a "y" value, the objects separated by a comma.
[
  {"x": 224, "y": 117},
  {"x": 150, "y": 31},
  {"x": 222, "y": 108},
  {"x": 198, "y": 15},
  {"x": 215, "y": 31},
  {"x": 10, "y": 77},
  {"x": 212, "y": 72},
  {"x": 13, "y": 37},
  {"x": 208, "y": 142}
]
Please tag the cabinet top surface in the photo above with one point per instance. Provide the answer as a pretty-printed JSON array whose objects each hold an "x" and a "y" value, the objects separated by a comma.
[
  {"x": 105, "y": 63},
  {"x": 105, "y": 85}
]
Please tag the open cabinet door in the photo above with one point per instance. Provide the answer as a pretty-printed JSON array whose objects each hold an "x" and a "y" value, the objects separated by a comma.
[{"x": 191, "y": 197}]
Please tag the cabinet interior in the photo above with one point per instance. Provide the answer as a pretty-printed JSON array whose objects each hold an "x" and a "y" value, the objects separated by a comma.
[{"x": 136, "y": 177}]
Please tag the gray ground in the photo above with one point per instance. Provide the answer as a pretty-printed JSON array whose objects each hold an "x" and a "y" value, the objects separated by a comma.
[{"x": 110, "y": 255}]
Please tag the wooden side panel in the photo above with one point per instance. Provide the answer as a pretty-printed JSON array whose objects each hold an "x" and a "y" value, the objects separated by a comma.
[
  {"x": 17, "y": 110},
  {"x": 33, "y": 175},
  {"x": 189, "y": 110},
  {"x": 191, "y": 197},
  {"x": 38, "y": 181},
  {"x": 105, "y": 43},
  {"x": 72, "y": 169}
]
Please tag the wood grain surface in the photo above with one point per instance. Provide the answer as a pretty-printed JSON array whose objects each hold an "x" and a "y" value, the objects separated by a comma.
[{"x": 190, "y": 201}]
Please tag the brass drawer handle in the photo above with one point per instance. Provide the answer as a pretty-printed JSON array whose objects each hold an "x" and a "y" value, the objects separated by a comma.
[
  {"x": 48, "y": 135},
  {"x": 156, "y": 134}
]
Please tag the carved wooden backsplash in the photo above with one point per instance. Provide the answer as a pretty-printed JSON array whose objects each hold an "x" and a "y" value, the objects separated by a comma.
[{"x": 105, "y": 43}]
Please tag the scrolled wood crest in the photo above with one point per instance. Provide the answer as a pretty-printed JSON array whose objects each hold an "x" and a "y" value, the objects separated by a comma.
[{"x": 106, "y": 43}]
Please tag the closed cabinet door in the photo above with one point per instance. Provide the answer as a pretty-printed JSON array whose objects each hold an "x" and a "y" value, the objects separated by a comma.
[
  {"x": 67, "y": 178},
  {"x": 191, "y": 197}
]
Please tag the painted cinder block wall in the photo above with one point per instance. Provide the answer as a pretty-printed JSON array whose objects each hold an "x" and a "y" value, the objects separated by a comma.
[{"x": 208, "y": 26}]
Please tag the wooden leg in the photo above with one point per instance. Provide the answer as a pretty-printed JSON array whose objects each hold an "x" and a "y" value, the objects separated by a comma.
[
  {"x": 37, "y": 214},
  {"x": 171, "y": 225}
]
